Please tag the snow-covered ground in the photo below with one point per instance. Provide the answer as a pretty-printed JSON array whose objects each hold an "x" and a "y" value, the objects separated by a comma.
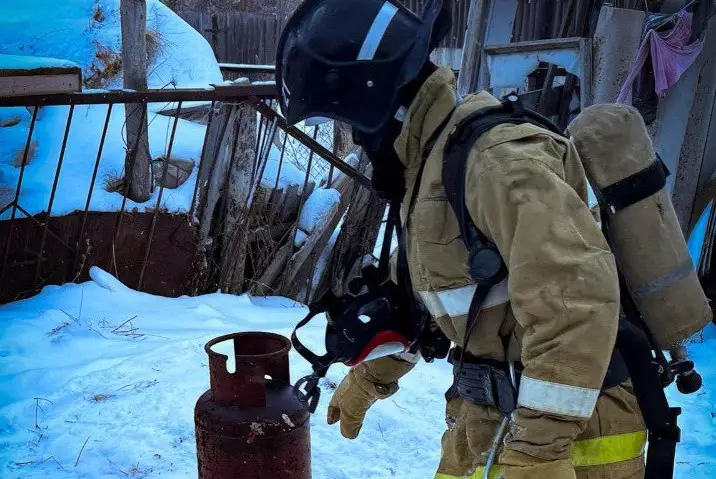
[
  {"x": 118, "y": 372},
  {"x": 130, "y": 387}
]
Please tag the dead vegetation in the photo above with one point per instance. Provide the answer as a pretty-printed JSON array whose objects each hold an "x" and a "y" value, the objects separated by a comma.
[
  {"x": 98, "y": 398},
  {"x": 59, "y": 328},
  {"x": 107, "y": 66},
  {"x": 154, "y": 44},
  {"x": 137, "y": 472},
  {"x": 98, "y": 14},
  {"x": 127, "y": 329},
  {"x": 43, "y": 461},
  {"x": 114, "y": 183}
]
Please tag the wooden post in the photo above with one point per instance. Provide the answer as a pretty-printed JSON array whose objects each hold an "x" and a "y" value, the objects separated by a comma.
[
  {"x": 133, "y": 14},
  {"x": 477, "y": 20},
  {"x": 213, "y": 175},
  {"x": 238, "y": 198},
  {"x": 694, "y": 167}
]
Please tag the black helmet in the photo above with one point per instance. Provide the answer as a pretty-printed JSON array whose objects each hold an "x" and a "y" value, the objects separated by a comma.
[{"x": 347, "y": 59}]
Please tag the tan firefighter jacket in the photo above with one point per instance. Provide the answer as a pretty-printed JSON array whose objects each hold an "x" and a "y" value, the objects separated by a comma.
[{"x": 557, "y": 312}]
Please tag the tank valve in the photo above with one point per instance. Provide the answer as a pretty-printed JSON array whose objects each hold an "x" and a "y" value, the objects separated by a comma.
[{"x": 688, "y": 381}]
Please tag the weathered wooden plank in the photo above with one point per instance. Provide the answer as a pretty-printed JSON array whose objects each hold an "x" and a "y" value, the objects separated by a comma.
[
  {"x": 357, "y": 238},
  {"x": 238, "y": 197}
]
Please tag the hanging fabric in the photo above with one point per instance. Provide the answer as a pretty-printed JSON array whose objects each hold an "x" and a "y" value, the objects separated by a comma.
[{"x": 670, "y": 55}]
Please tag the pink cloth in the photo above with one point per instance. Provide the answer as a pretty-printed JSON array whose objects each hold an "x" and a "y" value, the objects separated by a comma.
[{"x": 670, "y": 56}]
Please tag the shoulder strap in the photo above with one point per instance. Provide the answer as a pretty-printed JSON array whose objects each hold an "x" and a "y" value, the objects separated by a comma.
[{"x": 460, "y": 143}]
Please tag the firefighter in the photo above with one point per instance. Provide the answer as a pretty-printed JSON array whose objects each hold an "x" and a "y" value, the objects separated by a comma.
[{"x": 555, "y": 316}]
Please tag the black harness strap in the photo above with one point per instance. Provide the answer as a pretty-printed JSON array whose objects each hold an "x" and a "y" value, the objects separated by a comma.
[
  {"x": 404, "y": 280},
  {"x": 634, "y": 188},
  {"x": 660, "y": 419}
]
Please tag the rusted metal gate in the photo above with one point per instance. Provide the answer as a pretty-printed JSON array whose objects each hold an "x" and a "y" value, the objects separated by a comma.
[{"x": 36, "y": 250}]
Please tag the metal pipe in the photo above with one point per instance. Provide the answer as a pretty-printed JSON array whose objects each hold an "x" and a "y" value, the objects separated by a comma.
[
  {"x": 14, "y": 203},
  {"x": 132, "y": 161},
  {"x": 312, "y": 144},
  {"x": 50, "y": 232},
  {"x": 502, "y": 430},
  {"x": 167, "y": 157},
  {"x": 53, "y": 192},
  {"x": 214, "y": 93},
  {"x": 92, "y": 181}
]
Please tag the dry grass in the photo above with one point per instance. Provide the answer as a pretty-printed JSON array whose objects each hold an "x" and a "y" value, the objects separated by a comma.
[
  {"x": 113, "y": 183},
  {"x": 154, "y": 43},
  {"x": 97, "y": 398},
  {"x": 98, "y": 14},
  {"x": 137, "y": 472},
  {"x": 108, "y": 66},
  {"x": 58, "y": 328}
]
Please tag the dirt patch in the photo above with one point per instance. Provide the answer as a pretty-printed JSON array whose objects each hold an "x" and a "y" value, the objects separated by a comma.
[
  {"x": 20, "y": 155},
  {"x": 9, "y": 122},
  {"x": 169, "y": 264}
]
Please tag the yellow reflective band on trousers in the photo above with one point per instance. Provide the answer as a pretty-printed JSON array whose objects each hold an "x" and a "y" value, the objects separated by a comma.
[
  {"x": 599, "y": 451},
  {"x": 608, "y": 449}
]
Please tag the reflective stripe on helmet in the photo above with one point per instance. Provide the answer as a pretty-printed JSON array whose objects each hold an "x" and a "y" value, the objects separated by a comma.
[
  {"x": 456, "y": 302},
  {"x": 600, "y": 451},
  {"x": 377, "y": 31},
  {"x": 556, "y": 398}
]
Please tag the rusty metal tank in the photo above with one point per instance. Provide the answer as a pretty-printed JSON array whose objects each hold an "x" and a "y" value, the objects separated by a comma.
[{"x": 250, "y": 424}]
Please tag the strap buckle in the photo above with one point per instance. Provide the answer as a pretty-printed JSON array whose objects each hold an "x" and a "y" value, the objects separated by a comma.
[
  {"x": 513, "y": 102},
  {"x": 483, "y": 383},
  {"x": 311, "y": 392}
]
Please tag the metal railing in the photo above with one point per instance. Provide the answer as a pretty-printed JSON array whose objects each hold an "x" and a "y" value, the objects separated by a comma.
[{"x": 259, "y": 97}]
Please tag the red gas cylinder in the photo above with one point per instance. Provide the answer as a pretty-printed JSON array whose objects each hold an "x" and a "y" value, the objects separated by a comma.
[{"x": 250, "y": 424}]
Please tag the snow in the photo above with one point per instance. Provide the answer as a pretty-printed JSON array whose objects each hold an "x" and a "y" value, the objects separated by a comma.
[
  {"x": 123, "y": 369},
  {"x": 183, "y": 58},
  {"x": 131, "y": 388},
  {"x": 77, "y": 168},
  {"x": 697, "y": 238},
  {"x": 289, "y": 174},
  {"x": 20, "y": 62},
  {"x": 317, "y": 208}
]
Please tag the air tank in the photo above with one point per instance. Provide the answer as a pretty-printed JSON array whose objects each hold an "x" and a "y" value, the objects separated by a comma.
[{"x": 650, "y": 249}]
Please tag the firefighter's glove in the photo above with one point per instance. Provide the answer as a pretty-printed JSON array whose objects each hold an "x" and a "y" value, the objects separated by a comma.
[
  {"x": 517, "y": 465},
  {"x": 360, "y": 389}
]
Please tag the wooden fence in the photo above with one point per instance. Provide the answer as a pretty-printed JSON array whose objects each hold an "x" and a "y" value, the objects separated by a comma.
[
  {"x": 243, "y": 37},
  {"x": 238, "y": 37}
]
